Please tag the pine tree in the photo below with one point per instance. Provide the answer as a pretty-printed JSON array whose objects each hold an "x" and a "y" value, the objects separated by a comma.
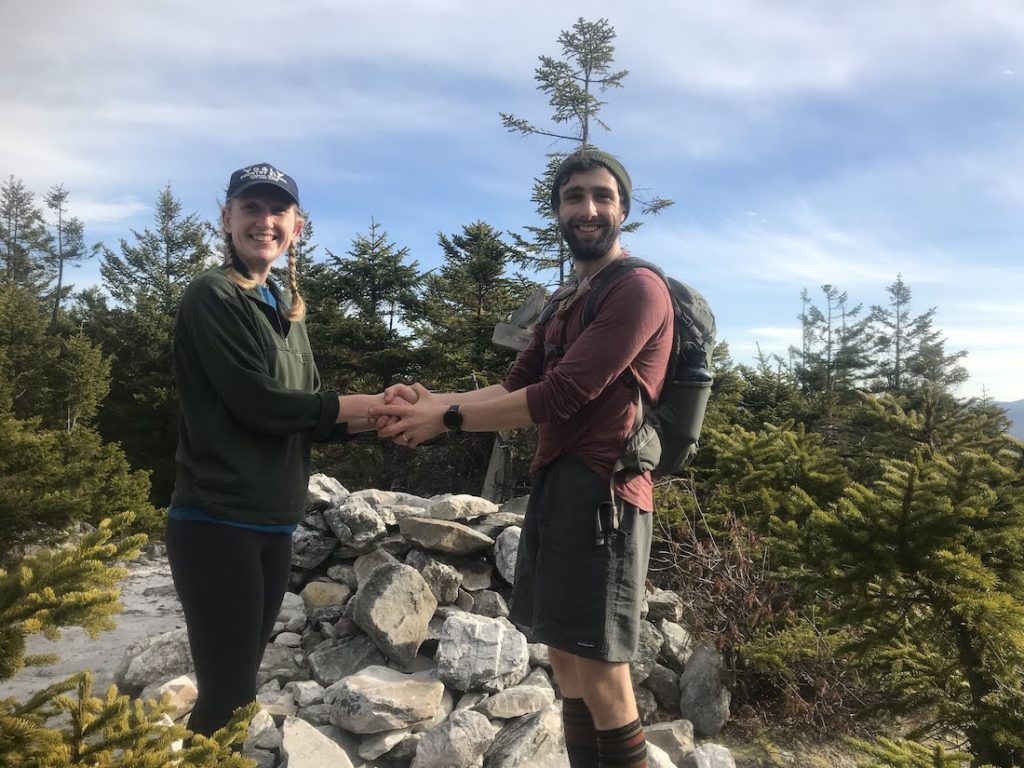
[
  {"x": 832, "y": 353},
  {"x": 29, "y": 351},
  {"x": 52, "y": 478},
  {"x": 461, "y": 304},
  {"x": 767, "y": 393},
  {"x": 356, "y": 312},
  {"x": 376, "y": 278},
  {"x": 901, "y": 753},
  {"x": 928, "y": 564},
  {"x": 147, "y": 281},
  {"x": 68, "y": 242},
  {"x": 911, "y": 349},
  {"x": 572, "y": 84},
  {"x": 155, "y": 270},
  {"x": 782, "y": 473},
  {"x": 806, "y": 363},
  {"x": 24, "y": 242},
  {"x": 80, "y": 380},
  {"x": 64, "y": 724}
]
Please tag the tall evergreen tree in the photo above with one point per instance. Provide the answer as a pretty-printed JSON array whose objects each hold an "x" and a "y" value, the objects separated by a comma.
[
  {"x": 892, "y": 337},
  {"x": 156, "y": 268},
  {"x": 572, "y": 84},
  {"x": 68, "y": 242},
  {"x": 809, "y": 365},
  {"x": 58, "y": 379},
  {"x": 588, "y": 54},
  {"x": 462, "y": 302},
  {"x": 910, "y": 350},
  {"x": 357, "y": 304},
  {"x": 80, "y": 380},
  {"x": 832, "y": 352},
  {"x": 851, "y": 359},
  {"x": 28, "y": 350},
  {"x": 376, "y": 278},
  {"x": 24, "y": 241},
  {"x": 147, "y": 281}
]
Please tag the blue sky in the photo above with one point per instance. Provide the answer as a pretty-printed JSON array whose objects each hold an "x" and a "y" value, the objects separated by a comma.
[{"x": 803, "y": 142}]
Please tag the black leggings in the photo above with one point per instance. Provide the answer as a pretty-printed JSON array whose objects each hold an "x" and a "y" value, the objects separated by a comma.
[{"x": 231, "y": 582}]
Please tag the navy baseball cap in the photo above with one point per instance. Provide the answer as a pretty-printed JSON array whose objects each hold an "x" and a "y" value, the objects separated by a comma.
[{"x": 261, "y": 174}]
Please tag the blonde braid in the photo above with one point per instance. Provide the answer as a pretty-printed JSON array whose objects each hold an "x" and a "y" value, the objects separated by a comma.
[
  {"x": 230, "y": 256},
  {"x": 297, "y": 311}
]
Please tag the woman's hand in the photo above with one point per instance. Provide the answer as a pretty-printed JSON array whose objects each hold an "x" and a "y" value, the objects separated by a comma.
[{"x": 412, "y": 422}]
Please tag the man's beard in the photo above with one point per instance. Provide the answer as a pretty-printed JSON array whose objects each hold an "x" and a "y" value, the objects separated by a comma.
[{"x": 594, "y": 250}]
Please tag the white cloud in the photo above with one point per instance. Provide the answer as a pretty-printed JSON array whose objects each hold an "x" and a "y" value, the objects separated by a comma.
[
  {"x": 996, "y": 375},
  {"x": 805, "y": 143},
  {"x": 799, "y": 255},
  {"x": 105, "y": 212}
]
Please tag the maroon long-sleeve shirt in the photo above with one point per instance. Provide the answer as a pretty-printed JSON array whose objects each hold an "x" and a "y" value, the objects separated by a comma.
[{"x": 580, "y": 402}]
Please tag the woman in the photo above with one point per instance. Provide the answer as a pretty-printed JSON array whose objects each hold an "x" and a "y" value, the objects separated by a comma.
[{"x": 250, "y": 410}]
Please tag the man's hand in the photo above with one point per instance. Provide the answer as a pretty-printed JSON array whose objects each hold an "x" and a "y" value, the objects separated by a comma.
[
  {"x": 409, "y": 423},
  {"x": 396, "y": 393}
]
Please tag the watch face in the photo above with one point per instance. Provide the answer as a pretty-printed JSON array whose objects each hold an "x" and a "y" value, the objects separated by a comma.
[{"x": 452, "y": 418}]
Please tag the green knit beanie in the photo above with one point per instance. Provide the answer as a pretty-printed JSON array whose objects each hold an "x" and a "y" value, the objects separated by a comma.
[{"x": 586, "y": 159}]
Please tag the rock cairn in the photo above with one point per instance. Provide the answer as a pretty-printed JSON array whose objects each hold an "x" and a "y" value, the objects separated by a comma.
[{"x": 394, "y": 650}]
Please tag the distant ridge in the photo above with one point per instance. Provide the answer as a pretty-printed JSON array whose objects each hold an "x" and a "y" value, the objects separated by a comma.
[{"x": 1016, "y": 413}]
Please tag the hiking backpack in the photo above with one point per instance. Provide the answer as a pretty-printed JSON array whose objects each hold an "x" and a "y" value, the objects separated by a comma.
[{"x": 665, "y": 434}]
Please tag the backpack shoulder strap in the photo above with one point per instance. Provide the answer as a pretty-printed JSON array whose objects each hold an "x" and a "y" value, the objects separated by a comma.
[
  {"x": 551, "y": 306},
  {"x": 607, "y": 278}
]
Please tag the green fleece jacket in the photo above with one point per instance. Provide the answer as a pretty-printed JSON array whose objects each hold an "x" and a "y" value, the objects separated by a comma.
[{"x": 250, "y": 404}]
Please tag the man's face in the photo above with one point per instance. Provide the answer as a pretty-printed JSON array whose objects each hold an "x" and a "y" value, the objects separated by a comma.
[{"x": 590, "y": 214}]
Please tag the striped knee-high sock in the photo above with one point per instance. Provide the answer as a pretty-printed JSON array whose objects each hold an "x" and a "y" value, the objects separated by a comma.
[
  {"x": 580, "y": 736},
  {"x": 624, "y": 747}
]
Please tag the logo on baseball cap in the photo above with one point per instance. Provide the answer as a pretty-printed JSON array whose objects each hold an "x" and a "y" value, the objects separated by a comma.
[{"x": 262, "y": 174}]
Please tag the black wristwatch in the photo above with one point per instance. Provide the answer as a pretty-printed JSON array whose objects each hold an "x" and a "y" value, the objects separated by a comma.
[{"x": 453, "y": 419}]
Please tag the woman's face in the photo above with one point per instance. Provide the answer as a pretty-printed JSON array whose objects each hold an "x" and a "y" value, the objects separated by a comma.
[{"x": 262, "y": 223}]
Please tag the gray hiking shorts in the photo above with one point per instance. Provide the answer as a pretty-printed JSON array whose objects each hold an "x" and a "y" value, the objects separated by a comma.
[{"x": 572, "y": 592}]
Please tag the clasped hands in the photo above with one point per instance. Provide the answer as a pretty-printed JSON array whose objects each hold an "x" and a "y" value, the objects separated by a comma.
[{"x": 408, "y": 414}]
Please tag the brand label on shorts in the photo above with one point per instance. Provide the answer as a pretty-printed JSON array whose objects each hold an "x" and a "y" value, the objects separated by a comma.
[{"x": 586, "y": 643}]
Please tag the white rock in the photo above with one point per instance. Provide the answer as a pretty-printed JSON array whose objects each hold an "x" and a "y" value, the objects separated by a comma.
[
  {"x": 324, "y": 491},
  {"x": 478, "y": 653},
  {"x": 181, "y": 691},
  {"x": 292, "y": 616},
  {"x": 162, "y": 658},
  {"x": 712, "y": 756},
  {"x": 461, "y": 507},
  {"x": 516, "y": 701},
  {"x": 303, "y": 746},
  {"x": 536, "y": 741},
  {"x": 382, "y": 699},
  {"x": 704, "y": 699},
  {"x": 506, "y": 550},
  {"x": 675, "y": 738},
  {"x": 458, "y": 742},
  {"x": 374, "y": 745},
  {"x": 289, "y": 639},
  {"x": 394, "y": 608},
  {"x": 305, "y": 692}
]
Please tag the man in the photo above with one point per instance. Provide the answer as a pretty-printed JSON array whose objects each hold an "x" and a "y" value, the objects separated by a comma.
[{"x": 579, "y": 583}]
